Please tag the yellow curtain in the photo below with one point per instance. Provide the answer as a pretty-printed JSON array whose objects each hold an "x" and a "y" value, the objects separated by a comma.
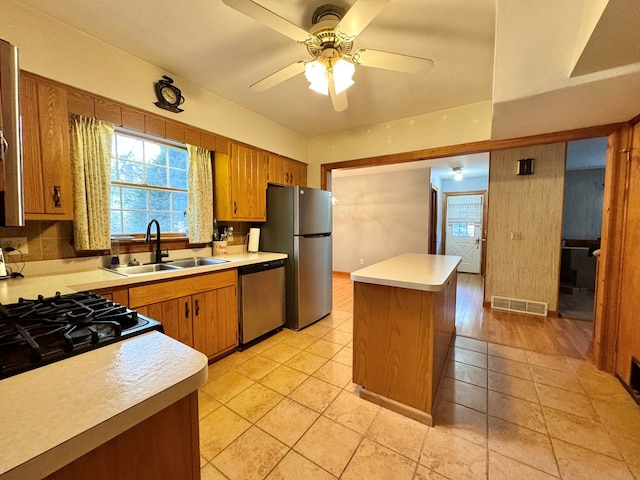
[
  {"x": 200, "y": 201},
  {"x": 91, "y": 165}
]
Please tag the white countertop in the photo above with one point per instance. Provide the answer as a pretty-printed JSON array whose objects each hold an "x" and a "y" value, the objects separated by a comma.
[
  {"x": 416, "y": 271},
  {"x": 97, "y": 278},
  {"x": 57, "y": 413}
]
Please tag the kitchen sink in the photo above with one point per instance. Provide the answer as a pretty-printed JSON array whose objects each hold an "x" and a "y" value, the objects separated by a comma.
[
  {"x": 171, "y": 265},
  {"x": 138, "y": 269},
  {"x": 197, "y": 262}
]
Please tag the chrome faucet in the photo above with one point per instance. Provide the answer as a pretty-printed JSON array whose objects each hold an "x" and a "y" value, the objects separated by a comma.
[{"x": 147, "y": 239}]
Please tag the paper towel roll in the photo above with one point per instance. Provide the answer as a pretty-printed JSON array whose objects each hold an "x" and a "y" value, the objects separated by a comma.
[{"x": 254, "y": 239}]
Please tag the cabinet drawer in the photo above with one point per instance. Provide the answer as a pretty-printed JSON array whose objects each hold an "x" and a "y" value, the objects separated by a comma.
[{"x": 169, "y": 289}]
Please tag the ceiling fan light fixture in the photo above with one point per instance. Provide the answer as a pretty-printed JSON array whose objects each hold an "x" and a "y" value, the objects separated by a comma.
[
  {"x": 343, "y": 71},
  {"x": 316, "y": 74}
]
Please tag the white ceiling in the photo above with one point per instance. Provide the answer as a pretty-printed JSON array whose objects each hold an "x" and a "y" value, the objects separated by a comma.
[
  {"x": 519, "y": 54},
  {"x": 225, "y": 52}
]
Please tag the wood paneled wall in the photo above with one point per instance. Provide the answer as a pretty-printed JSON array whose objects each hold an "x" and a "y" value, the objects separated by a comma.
[
  {"x": 525, "y": 225},
  {"x": 628, "y": 336}
]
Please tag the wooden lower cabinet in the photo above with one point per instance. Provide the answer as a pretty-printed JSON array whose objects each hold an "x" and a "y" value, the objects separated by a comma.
[
  {"x": 215, "y": 337},
  {"x": 200, "y": 311},
  {"x": 118, "y": 294},
  {"x": 175, "y": 316},
  {"x": 166, "y": 446}
]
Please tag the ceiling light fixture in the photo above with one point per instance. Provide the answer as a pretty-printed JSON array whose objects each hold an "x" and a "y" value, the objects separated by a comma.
[
  {"x": 325, "y": 69},
  {"x": 457, "y": 173}
]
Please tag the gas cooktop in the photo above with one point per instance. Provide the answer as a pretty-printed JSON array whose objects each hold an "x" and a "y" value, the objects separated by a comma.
[{"x": 36, "y": 332}]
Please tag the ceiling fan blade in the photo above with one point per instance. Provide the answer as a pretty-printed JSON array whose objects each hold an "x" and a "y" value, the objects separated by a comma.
[
  {"x": 339, "y": 100},
  {"x": 270, "y": 19},
  {"x": 359, "y": 16},
  {"x": 278, "y": 77},
  {"x": 392, "y": 61}
]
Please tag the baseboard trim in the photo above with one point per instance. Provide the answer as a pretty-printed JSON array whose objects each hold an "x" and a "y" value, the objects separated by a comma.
[{"x": 395, "y": 406}]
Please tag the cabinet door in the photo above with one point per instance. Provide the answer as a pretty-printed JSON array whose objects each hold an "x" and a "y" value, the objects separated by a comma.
[
  {"x": 276, "y": 169},
  {"x": 47, "y": 163},
  {"x": 215, "y": 321},
  {"x": 175, "y": 316},
  {"x": 284, "y": 171},
  {"x": 300, "y": 174},
  {"x": 248, "y": 183}
]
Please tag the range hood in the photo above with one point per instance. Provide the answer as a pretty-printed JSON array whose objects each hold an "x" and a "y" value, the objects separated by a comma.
[{"x": 11, "y": 190}]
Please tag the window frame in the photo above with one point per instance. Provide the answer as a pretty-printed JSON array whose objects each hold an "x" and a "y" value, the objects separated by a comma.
[{"x": 179, "y": 236}]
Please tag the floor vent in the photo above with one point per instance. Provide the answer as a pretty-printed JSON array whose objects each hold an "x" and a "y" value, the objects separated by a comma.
[{"x": 520, "y": 306}]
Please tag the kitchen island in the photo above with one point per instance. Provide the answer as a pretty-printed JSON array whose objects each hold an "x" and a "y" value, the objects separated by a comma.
[
  {"x": 128, "y": 410},
  {"x": 403, "y": 326}
]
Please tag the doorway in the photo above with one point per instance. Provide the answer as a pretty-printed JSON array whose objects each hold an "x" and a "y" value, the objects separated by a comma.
[
  {"x": 581, "y": 226},
  {"x": 464, "y": 224}
]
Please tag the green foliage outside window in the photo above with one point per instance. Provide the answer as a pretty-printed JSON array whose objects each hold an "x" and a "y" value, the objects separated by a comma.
[{"x": 148, "y": 180}]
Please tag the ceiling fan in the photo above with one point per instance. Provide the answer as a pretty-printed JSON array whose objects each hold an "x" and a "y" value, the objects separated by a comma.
[{"x": 330, "y": 43}]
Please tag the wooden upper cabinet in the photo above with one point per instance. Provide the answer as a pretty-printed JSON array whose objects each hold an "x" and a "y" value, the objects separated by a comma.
[
  {"x": 175, "y": 131},
  {"x": 284, "y": 171},
  {"x": 46, "y": 158},
  {"x": 81, "y": 103},
  {"x": 240, "y": 184}
]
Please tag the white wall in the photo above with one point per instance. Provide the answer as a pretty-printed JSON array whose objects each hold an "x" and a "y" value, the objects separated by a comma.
[
  {"x": 54, "y": 50},
  {"x": 379, "y": 216},
  {"x": 466, "y": 184},
  {"x": 469, "y": 123}
]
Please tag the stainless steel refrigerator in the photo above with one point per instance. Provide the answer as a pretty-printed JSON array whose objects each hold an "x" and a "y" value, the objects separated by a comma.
[{"x": 299, "y": 221}]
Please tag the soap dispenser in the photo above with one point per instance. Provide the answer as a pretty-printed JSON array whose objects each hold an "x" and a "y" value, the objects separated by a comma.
[{"x": 115, "y": 253}]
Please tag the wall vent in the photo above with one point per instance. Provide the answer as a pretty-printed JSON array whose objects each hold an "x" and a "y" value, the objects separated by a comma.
[{"x": 520, "y": 306}]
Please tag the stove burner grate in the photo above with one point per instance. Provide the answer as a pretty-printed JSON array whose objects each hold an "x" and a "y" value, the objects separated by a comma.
[{"x": 35, "y": 332}]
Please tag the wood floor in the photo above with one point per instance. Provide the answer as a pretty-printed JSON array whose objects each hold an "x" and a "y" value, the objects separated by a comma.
[{"x": 556, "y": 336}]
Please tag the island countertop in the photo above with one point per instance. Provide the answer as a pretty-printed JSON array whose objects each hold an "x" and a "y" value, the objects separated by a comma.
[
  {"x": 57, "y": 413},
  {"x": 416, "y": 271}
]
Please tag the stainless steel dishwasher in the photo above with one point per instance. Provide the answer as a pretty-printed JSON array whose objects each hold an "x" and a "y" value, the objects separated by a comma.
[{"x": 262, "y": 301}]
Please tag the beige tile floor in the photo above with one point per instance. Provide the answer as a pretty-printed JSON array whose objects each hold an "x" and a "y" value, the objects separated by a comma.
[{"x": 286, "y": 409}]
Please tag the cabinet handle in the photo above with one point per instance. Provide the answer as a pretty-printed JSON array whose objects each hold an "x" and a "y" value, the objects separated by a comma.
[
  {"x": 186, "y": 309},
  {"x": 197, "y": 308},
  {"x": 292, "y": 179},
  {"x": 235, "y": 207},
  {"x": 3, "y": 143},
  {"x": 56, "y": 197},
  {"x": 287, "y": 177}
]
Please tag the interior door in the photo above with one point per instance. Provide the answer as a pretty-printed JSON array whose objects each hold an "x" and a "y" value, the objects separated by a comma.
[
  {"x": 464, "y": 230},
  {"x": 628, "y": 337}
]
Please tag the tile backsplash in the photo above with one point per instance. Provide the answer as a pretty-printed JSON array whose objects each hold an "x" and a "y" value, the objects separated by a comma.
[
  {"x": 46, "y": 240},
  {"x": 51, "y": 240}
]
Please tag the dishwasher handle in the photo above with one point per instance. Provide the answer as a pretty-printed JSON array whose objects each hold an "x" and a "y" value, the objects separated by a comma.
[{"x": 261, "y": 267}]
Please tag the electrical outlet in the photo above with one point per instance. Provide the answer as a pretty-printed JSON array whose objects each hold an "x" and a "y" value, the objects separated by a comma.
[
  {"x": 362, "y": 261},
  {"x": 19, "y": 243}
]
